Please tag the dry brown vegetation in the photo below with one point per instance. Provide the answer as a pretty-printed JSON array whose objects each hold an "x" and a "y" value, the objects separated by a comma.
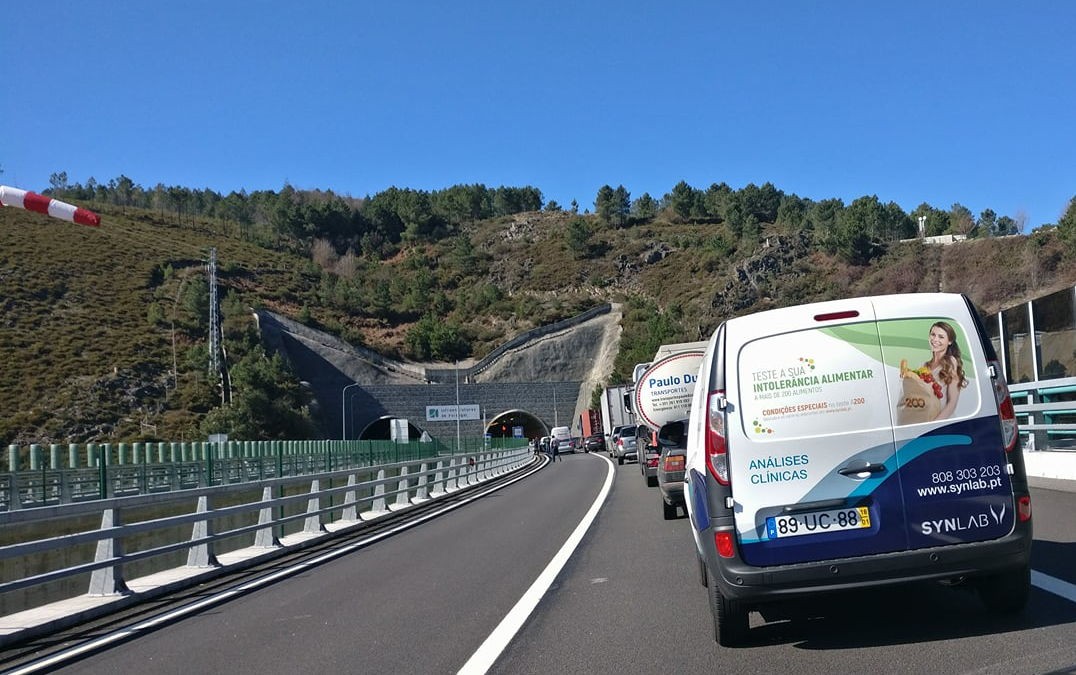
[{"x": 86, "y": 314}]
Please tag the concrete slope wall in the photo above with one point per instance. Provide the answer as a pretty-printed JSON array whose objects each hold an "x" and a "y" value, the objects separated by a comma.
[{"x": 577, "y": 355}]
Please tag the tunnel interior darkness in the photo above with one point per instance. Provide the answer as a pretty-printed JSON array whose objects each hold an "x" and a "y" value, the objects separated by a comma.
[{"x": 504, "y": 425}]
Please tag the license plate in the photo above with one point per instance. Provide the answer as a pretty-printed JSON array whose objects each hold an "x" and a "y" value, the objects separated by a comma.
[{"x": 816, "y": 522}]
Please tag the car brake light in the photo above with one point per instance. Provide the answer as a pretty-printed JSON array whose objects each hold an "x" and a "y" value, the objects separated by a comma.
[
  {"x": 723, "y": 542},
  {"x": 674, "y": 462},
  {"x": 716, "y": 448},
  {"x": 1006, "y": 412},
  {"x": 1023, "y": 508}
]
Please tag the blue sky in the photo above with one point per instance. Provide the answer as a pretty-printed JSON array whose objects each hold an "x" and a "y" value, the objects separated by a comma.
[{"x": 970, "y": 102}]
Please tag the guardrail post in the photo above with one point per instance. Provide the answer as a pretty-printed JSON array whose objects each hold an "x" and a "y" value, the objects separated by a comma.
[
  {"x": 423, "y": 492},
  {"x": 13, "y": 458},
  {"x": 313, "y": 519},
  {"x": 453, "y": 481},
  {"x": 108, "y": 580},
  {"x": 379, "y": 492},
  {"x": 201, "y": 555},
  {"x": 438, "y": 479},
  {"x": 14, "y": 500},
  {"x": 263, "y": 537},
  {"x": 351, "y": 512},
  {"x": 403, "y": 488}
]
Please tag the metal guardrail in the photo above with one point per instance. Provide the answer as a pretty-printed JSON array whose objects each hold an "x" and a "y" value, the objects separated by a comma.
[
  {"x": 40, "y": 476},
  {"x": 133, "y": 548},
  {"x": 1047, "y": 415}
]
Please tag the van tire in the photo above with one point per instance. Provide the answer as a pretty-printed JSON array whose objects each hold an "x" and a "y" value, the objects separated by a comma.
[
  {"x": 651, "y": 481},
  {"x": 669, "y": 510},
  {"x": 1006, "y": 592},
  {"x": 730, "y": 618}
]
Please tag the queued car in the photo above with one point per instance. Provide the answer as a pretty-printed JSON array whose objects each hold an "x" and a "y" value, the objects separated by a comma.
[
  {"x": 610, "y": 444},
  {"x": 646, "y": 440},
  {"x": 672, "y": 439},
  {"x": 626, "y": 446},
  {"x": 595, "y": 443}
]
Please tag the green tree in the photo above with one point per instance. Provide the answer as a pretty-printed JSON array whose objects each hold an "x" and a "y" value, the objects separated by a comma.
[
  {"x": 936, "y": 220},
  {"x": 792, "y": 212},
  {"x": 988, "y": 223},
  {"x": 1006, "y": 225},
  {"x": 1066, "y": 226},
  {"x": 612, "y": 206},
  {"x": 961, "y": 220},
  {"x": 645, "y": 207},
  {"x": 58, "y": 181},
  {"x": 578, "y": 237},
  {"x": 715, "y": 201},
  {"x": 683, "y": 200}
]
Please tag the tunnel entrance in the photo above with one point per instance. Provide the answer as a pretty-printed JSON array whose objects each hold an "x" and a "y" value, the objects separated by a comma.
[
  {"x": 381, "y": 430},
  {"x": 506, "y": 425}
]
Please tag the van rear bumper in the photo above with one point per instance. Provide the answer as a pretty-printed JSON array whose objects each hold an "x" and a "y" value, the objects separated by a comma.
[{"x": 739, "y": 581}]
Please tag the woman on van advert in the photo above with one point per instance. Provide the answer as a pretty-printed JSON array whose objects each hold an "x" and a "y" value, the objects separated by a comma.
[{"x": 946, "y": 366}]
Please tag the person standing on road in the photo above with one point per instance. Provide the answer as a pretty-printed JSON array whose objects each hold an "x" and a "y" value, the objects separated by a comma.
[{"x": 554, "y": 449}]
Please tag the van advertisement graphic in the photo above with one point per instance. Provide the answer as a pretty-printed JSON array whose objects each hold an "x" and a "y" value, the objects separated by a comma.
[
  {"x": 663, "y": 391},
  {"x": 810, "y": 383},
  {"x": 882, "y": 421},
  {"x": 903, "y": 372}
]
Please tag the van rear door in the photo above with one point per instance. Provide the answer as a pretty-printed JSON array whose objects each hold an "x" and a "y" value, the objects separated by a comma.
[
  {"x": 955, "y": 472},
  {"x": 813, "y": 465}
]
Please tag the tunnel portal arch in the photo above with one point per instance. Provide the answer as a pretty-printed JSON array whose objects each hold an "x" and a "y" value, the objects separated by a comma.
[
  {"x": 381, "y": 430},
  {"x": 503, "y": 425}
]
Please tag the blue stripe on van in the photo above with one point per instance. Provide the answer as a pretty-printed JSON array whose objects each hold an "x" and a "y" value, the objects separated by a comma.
[
  {"x": 696, "y": 488},
  {"x": 907, "y": 515}
]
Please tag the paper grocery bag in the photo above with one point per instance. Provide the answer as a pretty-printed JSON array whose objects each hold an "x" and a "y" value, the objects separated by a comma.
[{"x": 918, "y": 402}]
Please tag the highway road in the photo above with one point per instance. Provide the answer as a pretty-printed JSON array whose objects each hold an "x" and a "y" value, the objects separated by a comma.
[{"x": 627, "y": 601}]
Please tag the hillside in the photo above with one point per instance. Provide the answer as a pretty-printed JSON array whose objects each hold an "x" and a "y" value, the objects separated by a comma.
[{"x": 106, "y": 324}]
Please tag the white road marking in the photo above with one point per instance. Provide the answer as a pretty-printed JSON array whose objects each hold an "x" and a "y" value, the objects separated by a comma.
[
  {"x": 1054, "y": 585},
  {"x": 482, "y": 660}
]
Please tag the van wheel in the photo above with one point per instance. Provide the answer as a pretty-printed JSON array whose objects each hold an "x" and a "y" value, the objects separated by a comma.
[
  {"x": 1006, "y": 592},
  {"x": 669, "y": 510},
  {"x": 651, "y": 481},
  {"x": 730, "y": 618}
]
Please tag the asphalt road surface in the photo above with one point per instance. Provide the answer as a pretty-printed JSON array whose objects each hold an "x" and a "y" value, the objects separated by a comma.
[{"x": 627, "y": 601}]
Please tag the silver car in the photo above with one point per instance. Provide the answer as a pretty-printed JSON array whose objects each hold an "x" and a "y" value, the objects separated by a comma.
[{"x": 626, "y": 446}]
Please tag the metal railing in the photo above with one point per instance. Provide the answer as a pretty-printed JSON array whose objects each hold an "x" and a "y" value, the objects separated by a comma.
[
  {"x": 108, "y": 553},
  {"x": 1046, "y": 413},
  {"x": 40, "y": 476}
]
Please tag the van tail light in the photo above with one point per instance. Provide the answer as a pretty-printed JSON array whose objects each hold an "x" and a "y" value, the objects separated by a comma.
[
  {"x": 717, "y": 459},
  {"x": 1023, "y": 508},
  {"x": 1009, "y": 430},
  {"x": 723, "y": 542}
]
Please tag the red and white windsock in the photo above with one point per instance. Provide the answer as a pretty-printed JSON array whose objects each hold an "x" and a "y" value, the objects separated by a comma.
[{"x": 31, "y": 201}]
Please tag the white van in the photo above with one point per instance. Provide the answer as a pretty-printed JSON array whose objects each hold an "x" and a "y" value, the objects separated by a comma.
[
  {"x": 563, "y": 436},
  {"x": 854, "y": 443}
]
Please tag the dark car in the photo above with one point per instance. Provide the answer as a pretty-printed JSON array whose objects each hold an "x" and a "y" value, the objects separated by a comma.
[
  {"x": 672, "y": 438},
  {"x": 595, "y": 443}
]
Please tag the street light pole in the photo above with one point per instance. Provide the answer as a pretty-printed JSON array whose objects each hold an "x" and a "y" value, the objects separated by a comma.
[
  {"x": 343, "y": 410},
  {"x": 457, "y": 364}
]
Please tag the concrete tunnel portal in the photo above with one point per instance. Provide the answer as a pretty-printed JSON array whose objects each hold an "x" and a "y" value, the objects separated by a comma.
[{"x": 503, "y": 425}]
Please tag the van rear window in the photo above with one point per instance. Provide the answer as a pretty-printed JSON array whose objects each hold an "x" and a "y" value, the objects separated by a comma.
[{"x": 855, "y": 377}]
